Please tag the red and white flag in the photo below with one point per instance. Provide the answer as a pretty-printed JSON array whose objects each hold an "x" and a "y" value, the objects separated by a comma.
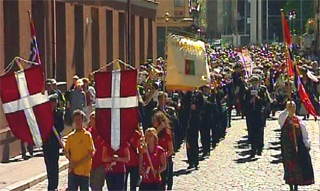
[
  {"x": 116, "y": 106},
  {"x": 305, "y": 99},
  {"x": 27, "y": 109}
]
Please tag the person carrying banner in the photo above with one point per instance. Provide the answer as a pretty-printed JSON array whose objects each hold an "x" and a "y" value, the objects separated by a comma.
[
  {"x": 295, "y": 147},
  {"x": 193, "y": 134},
  {"x": 115, "y": 172},
  {"x": 151, "y": 153},
  {"x": 205, "y": 126},
  {"x": 79, "y": 150},
  {"x": 132, "y": 167},
  {"x": 98, "y": 166},
  {"x": 51, "y": 147}
]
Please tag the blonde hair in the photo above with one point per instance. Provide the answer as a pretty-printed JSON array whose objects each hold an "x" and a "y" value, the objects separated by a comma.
[
  {"x": 161, "y": 117},
  {"x": 92, "y": 113},
  {"x": 79, "y": 83},
  {"x": 152, "y": 131},
  {"x": 291, "y": 103}
]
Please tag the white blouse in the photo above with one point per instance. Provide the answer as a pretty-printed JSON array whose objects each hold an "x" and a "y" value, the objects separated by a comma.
[{"x": 282, "y": 119}]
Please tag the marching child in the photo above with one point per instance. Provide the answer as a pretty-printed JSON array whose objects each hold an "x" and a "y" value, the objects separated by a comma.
[{"x": 79, "y": 150}]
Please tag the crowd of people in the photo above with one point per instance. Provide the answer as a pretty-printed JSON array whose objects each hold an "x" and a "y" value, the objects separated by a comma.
[{"x": 252, "y": 80}]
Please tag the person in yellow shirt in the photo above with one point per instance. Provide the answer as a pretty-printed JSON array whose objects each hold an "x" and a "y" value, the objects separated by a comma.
[{"x": 79, "y": 150}]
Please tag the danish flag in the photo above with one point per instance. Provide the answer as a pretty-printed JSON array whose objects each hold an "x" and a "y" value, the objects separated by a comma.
[{"x": 116, "y": 106}]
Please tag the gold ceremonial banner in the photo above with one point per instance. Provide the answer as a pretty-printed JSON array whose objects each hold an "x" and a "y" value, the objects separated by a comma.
[{"x": 187, "y": 66}]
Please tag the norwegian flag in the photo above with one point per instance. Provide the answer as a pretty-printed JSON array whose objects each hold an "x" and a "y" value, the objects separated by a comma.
[
  {"x": 27, "y": 109},
  {"x": 116, "y": 106},
  {"x": 34, "y": 51}
]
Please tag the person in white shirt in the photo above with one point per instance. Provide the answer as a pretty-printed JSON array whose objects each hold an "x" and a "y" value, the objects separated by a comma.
[{"x": 295, "y": 147}]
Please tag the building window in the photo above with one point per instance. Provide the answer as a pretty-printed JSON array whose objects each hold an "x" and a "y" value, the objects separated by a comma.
[
  {"x": 178, "y": 14},
  {"x": 178, "y": 3}
]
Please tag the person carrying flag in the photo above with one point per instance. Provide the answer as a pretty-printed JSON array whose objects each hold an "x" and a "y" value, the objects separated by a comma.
[{"x": 295, "y": 148}]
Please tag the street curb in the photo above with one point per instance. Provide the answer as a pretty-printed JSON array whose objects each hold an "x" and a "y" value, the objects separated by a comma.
[
  {"x": 25, "y": 184},
  {"x": 22, "y": 185}
]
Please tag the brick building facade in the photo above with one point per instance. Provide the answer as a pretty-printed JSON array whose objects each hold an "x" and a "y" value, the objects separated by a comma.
[{"x": 87, "y": 35}]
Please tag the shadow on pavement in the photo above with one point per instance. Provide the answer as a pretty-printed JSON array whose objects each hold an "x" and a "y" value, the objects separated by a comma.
[
  {"x": 243, "y": 143},
  {"x": 275, "y": 143},
  {"x": 244, "y": 150},
  {"x": 182, "y": 172},
  {"x": 277, "y": 148},
  {"x": 277, "y": 160},
  {"x": 245, "y": 160},
  {"x": 244, "y": 153},
  {"x": 15, "y": 160},
  {"x": 36, "y": 153},
  {"x": 237, "y": 119},
  {"x": 272, "y": 119}
]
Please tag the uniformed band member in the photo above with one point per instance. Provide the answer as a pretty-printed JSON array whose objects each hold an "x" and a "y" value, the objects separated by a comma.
[
  {"x": 255, "y": 101},
  {"x": 193, "y": 134},
  {"x": 206, "y": 115}
]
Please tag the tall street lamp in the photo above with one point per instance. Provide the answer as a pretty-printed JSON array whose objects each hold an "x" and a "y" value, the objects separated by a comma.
[{"x": 166, "y": 18}]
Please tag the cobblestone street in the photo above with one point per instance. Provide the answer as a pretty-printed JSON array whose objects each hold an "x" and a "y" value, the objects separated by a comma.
[{"x": 230, "y": 168}]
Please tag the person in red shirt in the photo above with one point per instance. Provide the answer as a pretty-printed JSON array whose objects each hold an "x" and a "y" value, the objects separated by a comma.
[
  {"x": 132, "y": 167},
  {"x": 115, "y": 168},
  {"x": 154, "y": 154},
  {"x": 161, "y": 123},
  {"x": 98, "y": 166}
]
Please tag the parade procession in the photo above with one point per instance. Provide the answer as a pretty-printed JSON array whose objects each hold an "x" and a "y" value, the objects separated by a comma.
[{"x": 159, "y": 95}]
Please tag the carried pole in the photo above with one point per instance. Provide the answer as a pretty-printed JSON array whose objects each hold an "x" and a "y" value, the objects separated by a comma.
[
  {"x": 166, "y": 17},
  {"x": 288, "y": 77},
  {"x": 318, "y": 30},
  {"x": 129, "y": 34},
  {"x": 147, "y": 151}
]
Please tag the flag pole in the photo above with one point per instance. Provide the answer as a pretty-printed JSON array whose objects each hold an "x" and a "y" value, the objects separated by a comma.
[
  {"x": 58, "y": 137},
  {"x": 285, "y": 43},
  {"x": 32, "y": 28},
  {"x": 39, "y": 62},
  {"x": 147, "y": 151}
]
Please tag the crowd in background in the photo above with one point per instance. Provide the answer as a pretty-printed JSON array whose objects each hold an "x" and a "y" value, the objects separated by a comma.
[{"x": 252, "y": 80}]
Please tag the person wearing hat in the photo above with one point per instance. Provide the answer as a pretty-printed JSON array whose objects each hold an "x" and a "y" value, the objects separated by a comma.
[
  {"x": 49, "y": 86},
  {"x": 78, "y": 97},
  {"x": 61, "y": 99},
  {"x": 52, "y": 146},
  {"x": 75, "y": 78},
  {"x": 68, "y": 97},
  {"x": 255, "y": 101}
]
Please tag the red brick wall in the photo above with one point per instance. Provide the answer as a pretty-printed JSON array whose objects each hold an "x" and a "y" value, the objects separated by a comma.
[{"x": 80, "y": 45}]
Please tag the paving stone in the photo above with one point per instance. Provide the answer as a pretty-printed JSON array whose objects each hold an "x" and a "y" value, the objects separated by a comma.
[{"x": 227, "y": 170}]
